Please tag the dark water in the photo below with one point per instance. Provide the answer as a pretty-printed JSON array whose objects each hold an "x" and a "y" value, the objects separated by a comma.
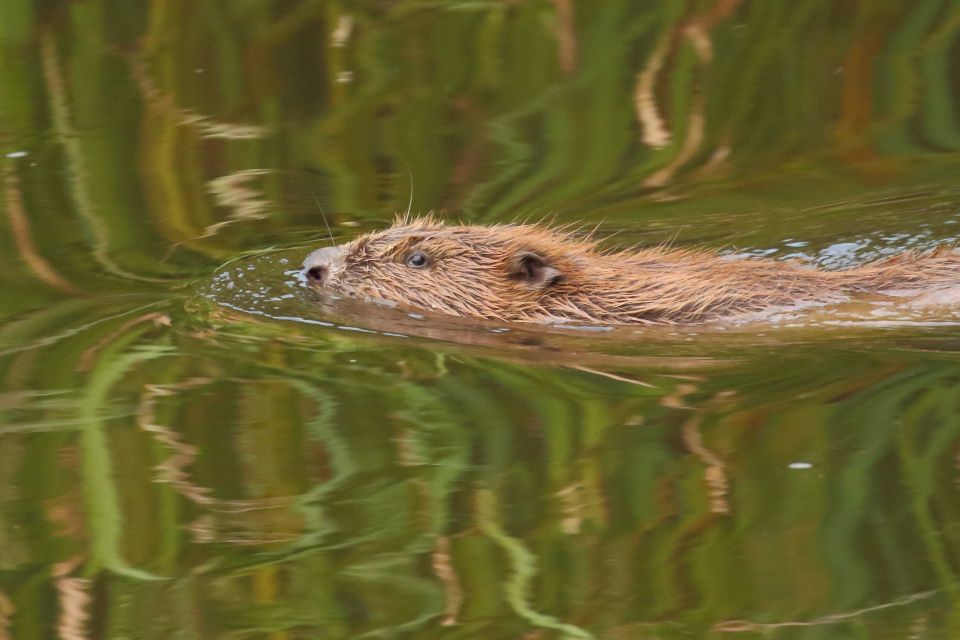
[{"x": 193, "y": 446}]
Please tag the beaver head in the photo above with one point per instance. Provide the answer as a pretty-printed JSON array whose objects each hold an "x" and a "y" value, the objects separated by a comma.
[{"x": 505, "y": 272}]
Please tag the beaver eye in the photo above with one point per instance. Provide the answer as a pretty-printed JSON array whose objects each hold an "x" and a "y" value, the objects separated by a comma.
[{"x": 417, "y": 260}]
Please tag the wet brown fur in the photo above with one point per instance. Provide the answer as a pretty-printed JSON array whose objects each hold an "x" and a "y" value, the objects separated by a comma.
[{"x": 473, "y": 272}]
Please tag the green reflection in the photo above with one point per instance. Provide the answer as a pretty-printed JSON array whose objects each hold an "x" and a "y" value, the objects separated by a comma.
[{"x": 192, "y": 447}]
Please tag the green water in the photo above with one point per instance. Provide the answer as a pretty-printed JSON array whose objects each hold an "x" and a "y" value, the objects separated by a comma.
[{"x": 193, "y": 446}]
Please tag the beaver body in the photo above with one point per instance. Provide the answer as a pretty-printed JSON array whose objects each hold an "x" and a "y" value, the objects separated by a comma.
[{"x": 529, "y": 273}]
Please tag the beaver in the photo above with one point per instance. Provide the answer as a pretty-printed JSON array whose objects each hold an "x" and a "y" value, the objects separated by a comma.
[{"x": 533, "y": 273}]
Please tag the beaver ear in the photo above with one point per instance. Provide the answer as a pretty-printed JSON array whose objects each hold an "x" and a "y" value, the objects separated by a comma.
[{"x": 533, "y": 270}]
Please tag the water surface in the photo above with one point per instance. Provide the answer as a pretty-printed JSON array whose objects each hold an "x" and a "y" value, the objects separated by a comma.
[{"x": 193, "y": 445}]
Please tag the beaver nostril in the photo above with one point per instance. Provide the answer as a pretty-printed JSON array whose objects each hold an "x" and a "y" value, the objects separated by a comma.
[{"x": 318, "y": 265}]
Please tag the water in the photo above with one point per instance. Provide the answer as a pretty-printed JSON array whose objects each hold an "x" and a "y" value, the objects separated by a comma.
[{"x": 194, "y": 445}]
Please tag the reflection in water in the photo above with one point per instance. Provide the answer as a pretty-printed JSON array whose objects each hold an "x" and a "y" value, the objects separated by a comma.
[
  {"x": 432, "y": 476},
  {"x": 23, "y": 239},
  {"x": 245, "y": 204},
  {"x": 155, "y": 98},
  {"x": 193, "y": 444}
]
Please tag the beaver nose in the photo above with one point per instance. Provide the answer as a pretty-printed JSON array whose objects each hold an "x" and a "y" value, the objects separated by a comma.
[
  {"x": 316, "y": 274},
  {"x": 317, "y": 265}
]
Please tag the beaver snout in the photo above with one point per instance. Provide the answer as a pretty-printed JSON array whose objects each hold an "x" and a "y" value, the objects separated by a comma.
[{"x": 317, "y": 265}]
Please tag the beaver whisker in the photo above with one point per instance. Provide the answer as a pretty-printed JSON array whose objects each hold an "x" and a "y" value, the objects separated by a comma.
[{"x": 323, "y": 216}]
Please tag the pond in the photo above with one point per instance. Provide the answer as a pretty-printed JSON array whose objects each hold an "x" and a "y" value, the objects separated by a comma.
[{"x": 193, "y": 445}]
